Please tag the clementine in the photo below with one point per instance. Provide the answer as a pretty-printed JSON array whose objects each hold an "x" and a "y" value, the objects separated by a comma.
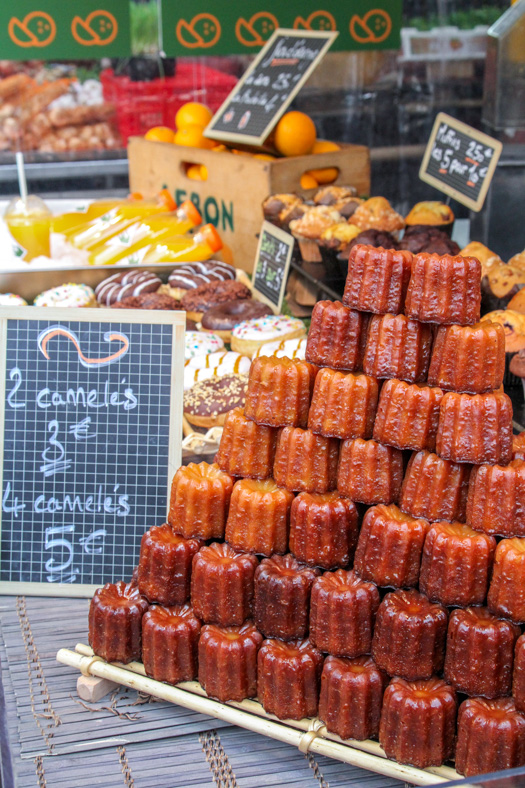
[
  {"x": 192, "y": 113},
  {"x": 295, "y": 134},
  {"x": 160, "y": 134}
]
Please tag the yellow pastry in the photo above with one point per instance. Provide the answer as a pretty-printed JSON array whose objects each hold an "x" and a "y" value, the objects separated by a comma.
[
  {"x": 430, "y": 212},
  {"x": 377, "y": 214}
]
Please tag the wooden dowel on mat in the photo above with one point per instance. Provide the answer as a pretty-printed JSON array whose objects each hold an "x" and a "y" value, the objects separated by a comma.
[{"x": 308, "y": 739}]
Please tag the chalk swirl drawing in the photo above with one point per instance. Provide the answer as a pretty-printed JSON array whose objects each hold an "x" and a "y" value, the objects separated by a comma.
[{"x": 60, "y": 331}]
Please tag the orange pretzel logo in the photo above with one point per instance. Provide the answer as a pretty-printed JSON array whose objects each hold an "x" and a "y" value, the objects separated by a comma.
[
  {"x": 99, "y": 28},
  {"x": 257, "y": 31},
  {"x": 375, "y": 26},
  {"x": 59, "y": 331},
  {"x": 201, "y": 32},
  {"x": 318, "y": 20},
  {"x": 36, "y": 29}
]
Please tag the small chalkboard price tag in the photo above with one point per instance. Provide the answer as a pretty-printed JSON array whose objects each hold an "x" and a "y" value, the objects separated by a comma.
[
  {"x": 268, "y": 87},
  {"x": 90, "y": 428},
  {"x": 270, "y": 272},
  {"x": 460, "y": 161}
]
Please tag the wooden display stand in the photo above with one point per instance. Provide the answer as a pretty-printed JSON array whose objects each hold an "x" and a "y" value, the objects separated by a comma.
[{"x": 232, "y": 195}]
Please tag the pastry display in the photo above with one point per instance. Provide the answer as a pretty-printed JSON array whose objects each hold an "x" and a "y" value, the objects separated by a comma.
[
  {"x": 199, "y": 501},
  {"x": 304, "y": 461},
  {"x": 208, "y": 402},
  {"x": 431, "y": 213},
  {"x": 409, "y": 635},
  {"x": 222, "y": 585},
  {"x": 475, "y": 429},
  {"x": 351, "y": 697},
  {"x": 397, "y": 347},
  {"x": 164, "y": 570},
  {"x": 389, "y": 547},
  {"x": 491, "y": 736},
  {"x": 496, "y": 499},
  {"x": 247, "y": 337},
  {"x": 377, "y": 280},
  {"x": 200, "y": 343},
  {"x": 369, "y": 472},
  {"x": 221, "y": 319},
  {"x": 279, "y": 392},
  {"x": 115, "y": 622},
  {"x": 195, "y": 302},
  {"x": 189, "y": 276},
  {"x": 435, "y": 489},
  {"x": 259, "y": 517},
  {"x": 70, "y": 295},
  {"x": 170, "y": 637},
  {"x": 342, "y": 613},
  {"x": 323, "y": 529},
  {"x": 246, "y": 449},
  {"x": 228, "y": 661},
  {"x": 282, "y": 597},
  {"x": 125, "y": 285},
  {"x": 468, "y": 359},
  {"x": 214, "y": 365},
  {"x": 418, "y": 722},
  {"x": 407, "y": 415},
  {"x": 377, "y": 214},
  {"x": 480, "y": 651},
  {"x": 11, "y": 299},
  {"x": 506, "y": 595},
  {"x": 444, "y": 289},
  {"x": 337, "y": 336},
  {"x": 343, "y": 405},
  {"x": 288, "y": 677},
  {"x": 456, "y": 564},
  {"x": 283, "y": 348}
]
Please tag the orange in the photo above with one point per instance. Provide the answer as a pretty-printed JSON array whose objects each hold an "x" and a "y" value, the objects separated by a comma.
[
  {"x": 324, "y": 146},
  {"x": 326, "y": 175},
  {"x": 160, "y": 134},
  {"x": 264, "y": 156},
  {"x": 295, "y": 134},
  {"x": 308, "y": 181},
  {"x": 192, "y": 113},
  {"x": 197, "y": 172},
  {"x": 193, "y": 137}
]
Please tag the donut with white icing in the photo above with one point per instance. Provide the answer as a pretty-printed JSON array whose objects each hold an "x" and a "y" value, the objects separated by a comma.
[
  {"x": 200, "y": 343},
  {"x": 68, "y": 295},
  {"x": 123, "y": 285},
  {"x": 11, "y": 299},
  {"x": 247, "y": 337},
  {"x": 214, "y": 365},
  {"x": 284, "y": 348}
]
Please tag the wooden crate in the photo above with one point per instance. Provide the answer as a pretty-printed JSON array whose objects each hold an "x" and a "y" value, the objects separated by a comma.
[{"x": 231, "y": 197}]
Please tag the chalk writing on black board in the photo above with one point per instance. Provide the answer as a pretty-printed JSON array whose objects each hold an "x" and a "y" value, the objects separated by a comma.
[
  {"x": 273, "y": 261},
  {"x": 460, "y": 160},
  {"x": 86, "y": 442}
]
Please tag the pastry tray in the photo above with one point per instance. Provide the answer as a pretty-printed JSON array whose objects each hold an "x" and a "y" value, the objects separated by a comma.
[{"x": 309, "y": 735}]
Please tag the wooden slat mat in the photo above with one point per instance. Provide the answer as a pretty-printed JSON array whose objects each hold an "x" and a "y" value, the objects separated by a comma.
[{"x": 166, "y": 747}]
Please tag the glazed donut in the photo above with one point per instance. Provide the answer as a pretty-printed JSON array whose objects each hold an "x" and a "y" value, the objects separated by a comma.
[
  {"x": 248, "y": 337},
  {"x": 214, "y": 365},
  {"x": 223, "y": 317},
  {"x": 204, "y": 297},
  {"x": 129, "y": 283},
  {"x": 199, "y": 343},
  {"x": 208, "y": 401},
  {"x": 70, "y": 295},
  {"x": 284, "y": 348}
]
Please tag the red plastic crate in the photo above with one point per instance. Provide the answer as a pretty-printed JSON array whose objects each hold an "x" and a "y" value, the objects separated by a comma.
[{"x": 141, "y": 105}]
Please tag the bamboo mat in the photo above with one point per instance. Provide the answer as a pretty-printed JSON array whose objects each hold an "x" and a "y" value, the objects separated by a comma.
[{"x": 124, "y": 739}]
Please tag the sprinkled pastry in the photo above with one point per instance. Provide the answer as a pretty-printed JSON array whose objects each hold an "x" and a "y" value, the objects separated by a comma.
[{"x": 70, "y": 295}]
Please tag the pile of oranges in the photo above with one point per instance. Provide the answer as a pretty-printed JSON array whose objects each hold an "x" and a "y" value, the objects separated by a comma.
[{"x": 294, "y": 135}]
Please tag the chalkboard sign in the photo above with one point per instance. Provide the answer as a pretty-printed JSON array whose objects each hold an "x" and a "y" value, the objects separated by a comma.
[
  {"x": 268, "y": 87},
  {"x": 90, "y": 420},
  {"x": 270, "y": 272},
  {"x": 460, "y": 161}
]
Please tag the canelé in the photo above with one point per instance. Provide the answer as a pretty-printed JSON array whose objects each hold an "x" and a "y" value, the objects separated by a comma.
[
  {"x": 444, "y": 289},
  {"x": 435, "y": 489},
  {"x": 518, "y": 674},
  {"x": 288, "y": 676},
  {"x": 491, "y": 736},
  {"x": 480, "y": 650},
  {"x": 397, "y": 347},
  {"x": 200, "y": 495},
  {"x": 164, "y": 571},
  {"x": 377, "y": 279},
  {"x": 170, "y": 637},
  {"x": 389, "y": 547},
  {"x": 305, "y": 462},
  {"x": 282, "y": 597},
  {"x": 343, "y": 405},
  {"x": 369, "y": 472},
  {"x": 409, "y": 636},
  {"x": 351, "y": 697},
  {"x": 456, "y": 564},
  {"x": 342, "y": 613},
  {"x": 259, "y": 517},
  {"x": 279, "y": 391},
  {"x": 337, "y": 336},
  {"x": 246, "y": 449},
  {"x": 228, "y": 661},
  {"x": 469, "y": 359},
  {"x": 496, "y": 499},
  {"x": 222, "y": 585},
  {"x": 475, "y": 428},
  {"x": 115, "y": 622},
  {"x": 407, "y": 415},
  {"x": 518, "y": 446},
  {"x": 506, "y": 595},
  {"x": 418, "y": 722},
  {"x": 323, "y": 530}
]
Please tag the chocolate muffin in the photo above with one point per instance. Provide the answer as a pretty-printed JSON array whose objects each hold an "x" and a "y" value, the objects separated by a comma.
[
  {"x": 432, "y": 240},
  {"x": 372, "y": 238}
]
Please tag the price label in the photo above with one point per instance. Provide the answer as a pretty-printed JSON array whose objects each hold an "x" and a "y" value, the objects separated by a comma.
[{"x": 272, "y": 264}]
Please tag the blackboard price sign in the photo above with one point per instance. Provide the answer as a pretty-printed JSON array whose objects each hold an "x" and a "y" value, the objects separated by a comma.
[
  {"x": 268, "y": 87},
  {"x": 90, "y": 427},
  {"x": 460, "y": 161},
  {"x": 274, "y": 253}
]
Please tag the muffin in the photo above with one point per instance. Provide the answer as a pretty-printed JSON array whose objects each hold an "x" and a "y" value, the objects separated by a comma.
[
  {"x": 430, "y": 240},
  {"x": 431, "y": 213},
  {"x": 376, "y": 213}
]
